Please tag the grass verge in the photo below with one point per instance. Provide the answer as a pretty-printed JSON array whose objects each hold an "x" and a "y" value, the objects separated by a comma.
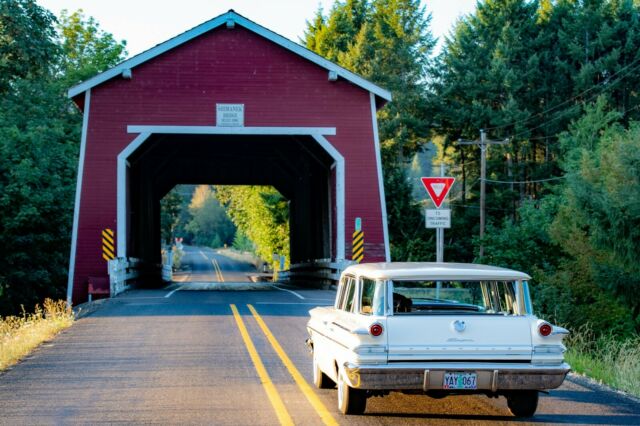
[
  {"x": 608, "y": 360},
  {"x": 19, "y": 335}
]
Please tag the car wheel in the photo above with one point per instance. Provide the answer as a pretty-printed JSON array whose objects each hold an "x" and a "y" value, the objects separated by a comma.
[
  {"x": 350, "y": 400},
  {"x": 321, "y": 380},
  {"x": 523, "y": 403}
]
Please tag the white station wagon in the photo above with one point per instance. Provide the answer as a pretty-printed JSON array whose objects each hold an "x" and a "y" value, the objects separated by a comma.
[{"x": 437, "y": 329}]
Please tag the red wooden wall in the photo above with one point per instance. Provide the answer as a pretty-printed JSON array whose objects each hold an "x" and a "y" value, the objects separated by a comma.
[{"x": 183, "y": 86}]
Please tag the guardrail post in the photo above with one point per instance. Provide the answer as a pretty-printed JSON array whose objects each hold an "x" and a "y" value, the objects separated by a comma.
[{"x": 167, "y": 266}]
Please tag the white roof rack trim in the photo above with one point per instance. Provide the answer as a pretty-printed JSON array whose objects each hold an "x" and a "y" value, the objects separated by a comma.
[{"x": 217, "y": 22}]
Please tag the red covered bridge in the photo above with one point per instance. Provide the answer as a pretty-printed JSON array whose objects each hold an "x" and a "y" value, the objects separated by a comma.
[{"x": 228, "y": 102}]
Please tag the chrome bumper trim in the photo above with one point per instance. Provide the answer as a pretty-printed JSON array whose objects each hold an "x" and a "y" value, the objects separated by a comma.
[{"x": 426, "y": 377}]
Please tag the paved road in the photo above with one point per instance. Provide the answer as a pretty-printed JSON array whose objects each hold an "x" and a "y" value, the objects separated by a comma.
[
  {"x": 147, "y": 358},
  {"x": 205, "y": 265}
]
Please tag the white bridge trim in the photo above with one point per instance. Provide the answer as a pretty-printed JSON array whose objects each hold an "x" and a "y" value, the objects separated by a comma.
[
  {"x": 76, "y": 209},
  {"x": 229, "y": 130},
  {"x": 145, "y": 131}
]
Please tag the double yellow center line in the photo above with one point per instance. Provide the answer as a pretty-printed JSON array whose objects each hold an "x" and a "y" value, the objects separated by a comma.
[
  {"x": 216, "y": 267},
  {"x": 272, "y": 393}
]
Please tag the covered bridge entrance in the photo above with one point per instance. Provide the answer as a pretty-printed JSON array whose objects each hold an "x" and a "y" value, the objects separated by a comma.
[{"x": 230, "y": 103}]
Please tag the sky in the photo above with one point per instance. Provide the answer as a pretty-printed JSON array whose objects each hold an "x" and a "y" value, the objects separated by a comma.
[{"x": 145, "y": 23}]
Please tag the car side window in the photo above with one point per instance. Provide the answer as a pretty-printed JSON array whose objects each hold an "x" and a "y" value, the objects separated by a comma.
[
  {"x": 350, "y": 298},
  {"x": 341, "y": 290},
  {"x": 368, "y": 294},
  {"x": 346, "y": 299}
]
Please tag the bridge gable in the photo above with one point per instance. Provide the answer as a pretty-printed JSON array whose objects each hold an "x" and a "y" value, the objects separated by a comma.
[{"x": 230, "y": 20}]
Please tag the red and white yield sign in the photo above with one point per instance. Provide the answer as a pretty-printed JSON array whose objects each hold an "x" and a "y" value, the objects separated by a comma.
[{"x": 438, "y": 188}]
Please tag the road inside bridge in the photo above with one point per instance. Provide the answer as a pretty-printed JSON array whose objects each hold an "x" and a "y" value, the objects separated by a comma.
[
  {"x": 205, "y": 265},
  {"x": 185, "y": 357}
]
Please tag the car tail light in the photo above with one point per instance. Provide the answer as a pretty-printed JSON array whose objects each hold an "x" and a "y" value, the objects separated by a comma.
[
  {"x": 545, "y": 329},
  {"x": 375, "y": 329}
]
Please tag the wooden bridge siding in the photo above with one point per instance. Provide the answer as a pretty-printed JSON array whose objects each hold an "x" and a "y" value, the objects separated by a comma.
[{"x": 182, "y": 87}]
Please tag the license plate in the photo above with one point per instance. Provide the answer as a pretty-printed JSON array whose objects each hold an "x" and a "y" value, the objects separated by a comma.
[{"x": 460, "y": 380}]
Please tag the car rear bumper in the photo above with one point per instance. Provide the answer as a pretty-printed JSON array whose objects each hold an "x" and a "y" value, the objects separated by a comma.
[{"x": 491, "y": 377}]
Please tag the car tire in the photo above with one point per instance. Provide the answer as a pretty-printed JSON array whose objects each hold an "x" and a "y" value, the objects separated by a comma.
[
  {"x": 321, "y": 380},
  {"x": 350, "y": 400},
  {"x": 523, "y": 403}
]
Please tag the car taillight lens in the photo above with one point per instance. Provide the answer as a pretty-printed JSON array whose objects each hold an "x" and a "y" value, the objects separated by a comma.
[
  {"x": 545, "y": 329},
  {"x": 375, "y": 329}
]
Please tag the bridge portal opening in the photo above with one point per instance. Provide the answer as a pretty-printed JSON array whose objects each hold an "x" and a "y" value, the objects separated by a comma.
[
  {"x": 296, "y": 165},
  {"x": 224, "y": 234}
]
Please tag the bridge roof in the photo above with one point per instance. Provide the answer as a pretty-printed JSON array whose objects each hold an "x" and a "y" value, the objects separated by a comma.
[{"x": 229, "y": 18}]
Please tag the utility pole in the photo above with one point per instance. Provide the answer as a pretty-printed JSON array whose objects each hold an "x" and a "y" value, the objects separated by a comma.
[{"x": 483, "y": 143}]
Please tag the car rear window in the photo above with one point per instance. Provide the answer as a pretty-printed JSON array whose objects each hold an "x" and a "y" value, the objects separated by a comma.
[{"x": 459, "y": 297}]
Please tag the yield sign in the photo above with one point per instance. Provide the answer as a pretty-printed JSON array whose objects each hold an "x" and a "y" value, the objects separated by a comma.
[{"x": 438, "y": 188}]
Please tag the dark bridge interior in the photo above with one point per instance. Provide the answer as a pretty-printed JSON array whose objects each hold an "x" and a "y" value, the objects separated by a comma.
[{"x": 295, "y": 165}]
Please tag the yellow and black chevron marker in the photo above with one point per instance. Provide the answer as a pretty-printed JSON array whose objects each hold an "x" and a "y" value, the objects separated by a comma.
[
  {"x": 357, "y": 252},
  {"x": 108, "y": 250}
]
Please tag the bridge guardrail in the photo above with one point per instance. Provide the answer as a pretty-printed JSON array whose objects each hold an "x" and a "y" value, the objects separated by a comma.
[
  {"x": 121, "y": 271},
  {"x": 167, "y": 265},
  {"x": 326, "y": 271}
]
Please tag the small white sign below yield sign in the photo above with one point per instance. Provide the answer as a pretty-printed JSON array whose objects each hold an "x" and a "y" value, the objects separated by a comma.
[{"x": 438, "y": 218}]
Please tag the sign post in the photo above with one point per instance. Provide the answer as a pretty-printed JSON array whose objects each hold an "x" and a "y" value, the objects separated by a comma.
[{"x": 438, "y": 188}]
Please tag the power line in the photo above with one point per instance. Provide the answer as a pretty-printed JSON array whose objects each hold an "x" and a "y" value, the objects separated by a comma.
[
  {"x": 525, "y": 181},
  {"x": 467, "y": 206},
  {"x": 560, "y": 115},
  {"x": 607, "y": 82}
]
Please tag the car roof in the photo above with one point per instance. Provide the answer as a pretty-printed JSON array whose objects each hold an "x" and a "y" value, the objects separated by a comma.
[{"x": 433, "y": 271}]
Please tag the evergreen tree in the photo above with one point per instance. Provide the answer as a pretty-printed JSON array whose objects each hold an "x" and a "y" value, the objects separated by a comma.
[
  {"x": 209, "y": 222},
  {"x": 523, "y": 69},
  {"x": 388, "y": 42}
]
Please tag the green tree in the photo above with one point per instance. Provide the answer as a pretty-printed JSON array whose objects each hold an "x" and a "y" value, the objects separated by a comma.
[
  {"x": 598, "y": 224},
  {"x": 209, "y": 222},
  {"x": 27, "y": 42},
  {"x": 389, "y": 43},
  {"x": 331, "y": 36},
  {"x": 39, "y": 134},
  {"x": 261, "y": 214},
  {"x": 580, "y": 243},
  {"x": 523, "y": 69},
  {"x": 171, "y": 206},
  {"x": 88, "y": 50},
  {"x": 39, "y": 140},
  {"x": 242, "y": 243}
]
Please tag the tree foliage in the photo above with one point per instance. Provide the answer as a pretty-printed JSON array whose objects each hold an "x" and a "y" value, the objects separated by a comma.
[
  {"x": 39, "y": 141},
  {"x": 209, "y": 222},
  {"x": 598, "y": 223},
  {"x": 389, "y": 43},
  {"x": 171, "y": 207},
  {"x": 88, "y": 49},
  {"x": 27, "y": 42},
  {"x": 261, "y": 214}
]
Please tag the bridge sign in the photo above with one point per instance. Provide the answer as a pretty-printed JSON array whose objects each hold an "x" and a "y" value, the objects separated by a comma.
[{"x": 438, "y": 188}]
